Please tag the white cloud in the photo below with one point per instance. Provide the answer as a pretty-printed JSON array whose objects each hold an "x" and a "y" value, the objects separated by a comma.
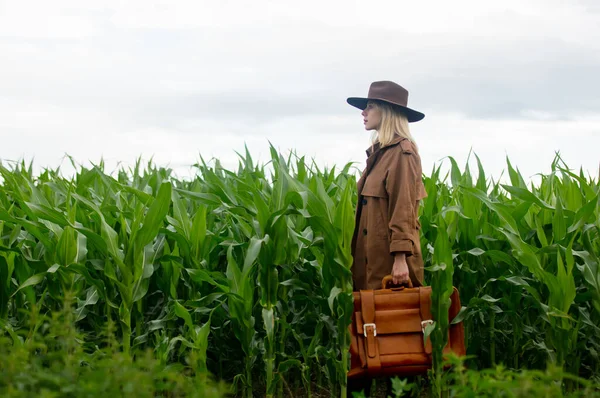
[
  {"x": 28, "y": 19},
  {"x": 529, "y": 144},
  {"x": 119, "y": 79}
]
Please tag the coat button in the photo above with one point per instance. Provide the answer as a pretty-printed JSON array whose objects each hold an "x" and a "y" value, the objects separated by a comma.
[
  {"x": 366, "y": 262},
  {"x": 364, "y": 231},
  {"x": 364, "y": 201}
]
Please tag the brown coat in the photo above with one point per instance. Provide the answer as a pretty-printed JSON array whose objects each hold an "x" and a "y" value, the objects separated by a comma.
[{"x": 389, "y": 192}]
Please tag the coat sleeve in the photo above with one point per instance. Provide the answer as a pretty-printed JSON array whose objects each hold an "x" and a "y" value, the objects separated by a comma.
[{"x": 402, "y": 188}]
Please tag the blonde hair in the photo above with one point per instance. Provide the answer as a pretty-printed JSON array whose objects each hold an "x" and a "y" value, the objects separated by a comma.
[{"x": 393, "y": 123}]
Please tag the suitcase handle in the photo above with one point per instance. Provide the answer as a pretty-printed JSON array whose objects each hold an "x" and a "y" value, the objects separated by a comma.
[{"x": 387, "y": 281}]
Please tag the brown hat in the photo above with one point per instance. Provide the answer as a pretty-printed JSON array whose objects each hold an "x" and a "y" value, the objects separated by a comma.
[{"x": 391, "y": 93}]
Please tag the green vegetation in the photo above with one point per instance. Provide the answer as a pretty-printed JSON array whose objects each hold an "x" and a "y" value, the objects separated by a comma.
[{"x": 145, "y": 284}]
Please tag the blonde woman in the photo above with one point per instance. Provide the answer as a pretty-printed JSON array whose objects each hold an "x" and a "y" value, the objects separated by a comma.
[{"x": 386, "y": 235}]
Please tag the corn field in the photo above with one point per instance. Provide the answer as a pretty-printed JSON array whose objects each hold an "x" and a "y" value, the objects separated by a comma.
[{"x": 245, "y": 274}]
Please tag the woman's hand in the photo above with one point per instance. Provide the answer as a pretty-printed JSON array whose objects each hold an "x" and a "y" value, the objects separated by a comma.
[{"x": 400, "y": 269}]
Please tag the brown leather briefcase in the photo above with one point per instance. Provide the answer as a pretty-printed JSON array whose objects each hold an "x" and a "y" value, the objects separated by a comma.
[{"x": 387, "y": 331}]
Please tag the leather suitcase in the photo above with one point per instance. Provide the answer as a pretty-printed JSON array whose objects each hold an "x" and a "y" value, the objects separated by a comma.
[{"x": 387, "y": 331}]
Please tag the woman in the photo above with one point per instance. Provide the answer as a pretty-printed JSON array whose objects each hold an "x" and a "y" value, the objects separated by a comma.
[{"x": 386, "y": 235}]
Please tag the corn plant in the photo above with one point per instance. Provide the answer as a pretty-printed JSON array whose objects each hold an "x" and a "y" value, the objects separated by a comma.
[
  {"x": 526, "y": 259},
  {"x": 441, "y": 285},
  {"x": 246, "y": 273}
]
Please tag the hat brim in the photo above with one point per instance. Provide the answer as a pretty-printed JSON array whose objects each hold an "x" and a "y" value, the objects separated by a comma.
[{"x": 411, "y": 114}]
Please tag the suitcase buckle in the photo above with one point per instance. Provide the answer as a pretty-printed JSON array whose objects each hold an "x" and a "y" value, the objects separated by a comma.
[
  {"x": 425, "y": 323},
  {"x": 366, "y": 325}
]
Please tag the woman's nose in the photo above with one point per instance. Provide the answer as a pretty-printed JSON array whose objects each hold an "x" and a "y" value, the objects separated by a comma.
[{"x": 364, "y": 112}]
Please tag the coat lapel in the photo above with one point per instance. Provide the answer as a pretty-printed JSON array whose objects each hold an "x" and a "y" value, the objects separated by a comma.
[{"x": 373, "y": 155}]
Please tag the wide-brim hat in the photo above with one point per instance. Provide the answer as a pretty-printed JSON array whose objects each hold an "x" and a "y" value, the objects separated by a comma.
[{"x": 391, "y": 93}]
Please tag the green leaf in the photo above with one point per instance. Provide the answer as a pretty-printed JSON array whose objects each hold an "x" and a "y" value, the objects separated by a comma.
[
  {"x": 500, "y": 256},
  {"x": 183, "y": 313},
  {"x": 460, "y": 316},
  {"x": 476, "y": 251},
  {"x": 481, "y": 181},
  {"x": 90, "y": 299},
  {"x": 583, "y": 215},
  {"x": 517, "y": 281},
  {"x": 181, "y": 215},
  {"x": 526, "y": 255},
  {"x": 206, "y": 199},
  {"x": 6, "y": 271},
  {"x": 201, "y": 342},
  {"x": 455, "y": 172},
  {"x": 567, "y": 293},
  {"x": 455, "y": 209},
  {"x": 288, "y": 364},
  {"x": 155, "y": 216},
  {"x": 540, "y": 231},
  {"x": 53, "y": 269},
  {"x": 429, "y": 328},
  {"x": 269, "y": 323},
  {"x": 32, "y": 281},
  {"x": 489, "y": 299},
  {"x": 198, "y": 232},
  {"x": 252, "y": 253},
  {"x": 200, "y": 275},
  {"x": 559, "y": 227},
  {"x": 67, "y": 247},
  {"x": 526, "y": 196},
  {"x": 496, "y": 309},
  {"x": 332, "y": 296},
  {"x": 515, "y": 176},
  {"x": 48, "y": 213},
  {"x": 499, "y": 208}
]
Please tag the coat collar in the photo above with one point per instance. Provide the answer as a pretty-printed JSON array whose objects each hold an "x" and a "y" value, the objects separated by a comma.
[{"x": 375, "y": 148}]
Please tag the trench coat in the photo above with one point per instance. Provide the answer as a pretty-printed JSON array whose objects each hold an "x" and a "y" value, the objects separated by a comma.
[{"x": 389, "y": 193}]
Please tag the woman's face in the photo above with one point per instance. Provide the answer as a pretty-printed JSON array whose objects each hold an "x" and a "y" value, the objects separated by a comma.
[{"x": 371, "y": 116}]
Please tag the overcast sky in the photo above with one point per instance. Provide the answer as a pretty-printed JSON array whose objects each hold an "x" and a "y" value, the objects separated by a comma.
[{"x": 176, "y": 80}]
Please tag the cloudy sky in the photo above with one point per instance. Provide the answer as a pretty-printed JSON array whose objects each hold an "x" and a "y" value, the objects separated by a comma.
[{"x": 176, "y": 80}]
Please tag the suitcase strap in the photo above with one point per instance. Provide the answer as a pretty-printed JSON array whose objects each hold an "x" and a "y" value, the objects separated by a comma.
[
  {"x": 425, "y": 309},
  {"x": 370, "y": 330}
]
